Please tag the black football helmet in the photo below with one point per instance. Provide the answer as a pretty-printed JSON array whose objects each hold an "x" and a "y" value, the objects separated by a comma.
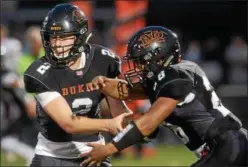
[
  {"x": 65, "y": 19},
  {"x": 149, "y": 49}
]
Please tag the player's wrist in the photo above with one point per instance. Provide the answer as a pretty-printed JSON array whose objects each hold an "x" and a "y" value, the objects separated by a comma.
[
  {"x": 129, "y": 136},
  {"x": 111, "y": 125},
  {"x": 111, "y": 149},
  {"x": 107, "y": 124}
]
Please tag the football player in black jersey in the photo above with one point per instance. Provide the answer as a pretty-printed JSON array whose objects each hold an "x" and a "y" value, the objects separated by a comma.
[
  {"x": 182, "y": 99},
  {"x": 18, "y": 130},
  {"x": 67, "y": 113}
]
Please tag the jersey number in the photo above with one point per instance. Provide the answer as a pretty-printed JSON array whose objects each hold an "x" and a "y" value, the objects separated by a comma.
[
  {"x": 161, "y": 76},
  {"x": 43, "y": 68},
  {"x": 107, "y": 52},
  {"x": 216, "y": 103},
  {"x": 82, "y": 105}
]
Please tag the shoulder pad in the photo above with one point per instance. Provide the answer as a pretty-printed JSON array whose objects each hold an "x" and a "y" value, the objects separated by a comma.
[
  {"x": 36, "y": 77},
  {"x": 106, "y": 52},
  {"x": 114, "y": 61},
  {"x": 8, "y": 78},
  {"x": 170, "y": 83}
]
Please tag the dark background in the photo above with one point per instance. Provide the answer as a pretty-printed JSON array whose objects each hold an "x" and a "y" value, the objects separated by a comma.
[{"x": 200, "y": 19}]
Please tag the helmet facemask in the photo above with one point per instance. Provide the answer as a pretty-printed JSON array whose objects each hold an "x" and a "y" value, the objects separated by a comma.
[
  {"x": 65, "y": 20},
  {"x": 136, "y": 72},
  {"x": 74, "y": 52},
  {"x": 149, "y": 50},
  {"x": 142, "y": 67}
]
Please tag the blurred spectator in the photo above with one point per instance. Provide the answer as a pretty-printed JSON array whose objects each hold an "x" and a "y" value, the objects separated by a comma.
[
  {"x": 33, "y": 49},
  {"x": 8, "y": 6},
  {"x": 17, "y": 108},
  {"x": 236, "y": 52},
  {"x": 10, "y": 50},
  {"x": 238, "y": 75},
  {"x": 212, "y": 43},
  {"x": 212, "y": 50},
  {"x": 193, "y": 52},
  {"x": 236, "y": 57}
]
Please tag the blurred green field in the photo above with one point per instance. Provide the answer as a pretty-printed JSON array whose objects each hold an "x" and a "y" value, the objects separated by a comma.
[{"x": 166, "y": 156}]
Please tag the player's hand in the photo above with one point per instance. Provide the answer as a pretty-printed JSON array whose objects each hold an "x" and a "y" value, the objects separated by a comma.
[
  {"x": 118, "y": 123},
  {"x": 95, "y": 156},
  {"x": 97, "y": 83},
  {"x": 98, "y": 153}
]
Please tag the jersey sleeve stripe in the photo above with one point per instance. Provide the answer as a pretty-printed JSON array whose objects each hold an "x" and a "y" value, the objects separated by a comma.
[{"x": 46, "y": 97}]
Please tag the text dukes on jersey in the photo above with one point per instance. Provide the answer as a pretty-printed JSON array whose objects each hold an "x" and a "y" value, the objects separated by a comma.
[
  {"x": 41, "y": 76},
  {"x": 67, "y": 113}
]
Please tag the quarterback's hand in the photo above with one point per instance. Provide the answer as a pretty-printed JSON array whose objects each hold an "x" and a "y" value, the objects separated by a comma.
[
  {"x": 97, "y": 83},
  {"x": 98, "y": 153},
  {"x": 118, "y": 123},
  {"x": 113, "y": 87}
]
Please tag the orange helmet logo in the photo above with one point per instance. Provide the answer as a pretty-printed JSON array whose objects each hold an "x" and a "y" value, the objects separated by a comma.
[{"x": 150, "y": 37}]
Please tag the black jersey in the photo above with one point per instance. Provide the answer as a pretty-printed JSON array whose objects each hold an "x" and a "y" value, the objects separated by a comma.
[
  {"x": 198, "y": 106},
  {"x": 71, "y": 84}
]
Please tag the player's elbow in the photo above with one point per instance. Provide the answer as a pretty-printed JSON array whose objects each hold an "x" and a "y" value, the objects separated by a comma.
[
  {"x": 68, "y": 127},
  {"x": 146, "y": 128},
  {"x": 72, "y": 127}
]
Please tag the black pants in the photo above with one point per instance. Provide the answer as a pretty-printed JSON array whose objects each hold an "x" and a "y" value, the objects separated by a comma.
[
  {"x": 40, "y": 161},
  {"x": 230, "y": 149}
]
